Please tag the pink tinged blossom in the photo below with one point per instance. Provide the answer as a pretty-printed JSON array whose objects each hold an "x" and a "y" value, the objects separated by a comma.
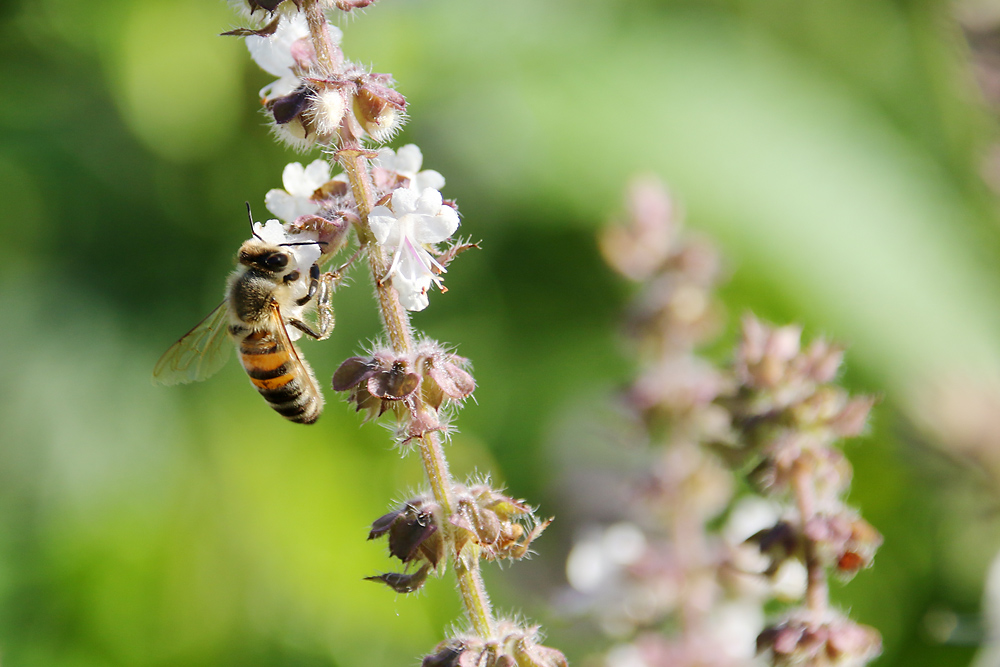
[
  {"x": 300, "y": 185},
  {"x": 641, "y": 244},
  {"x": 414, "y": 222}
]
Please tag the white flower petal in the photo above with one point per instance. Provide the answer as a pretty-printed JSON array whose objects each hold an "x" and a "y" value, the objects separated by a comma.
[
  {"x": 274, "y": 53},
  {"x": 305, "y": 255},
  {"x": 412, "y": 294},
  {"x": 414, "y": 266},
  {"x": 382, "y": 221},
  {"x": 316, "y": 175},
  {"x": 281, "y": 204},
  {"x": 292, "y": 177},
  {"x": 437, "y": 228},
  {"x": 283, "y": 86},
  {"x": 270, "y": 232},
  {"x": 429, "y": 202},
  {"x": 404, "y": 201},
  {"x": 386, "y": 159},
  {"x": 408, "y": 160},
  {"x": 428, "y": 178}
]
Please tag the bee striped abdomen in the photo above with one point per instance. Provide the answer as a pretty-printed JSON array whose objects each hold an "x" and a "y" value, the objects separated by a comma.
[{"x": 284, "y": 383}]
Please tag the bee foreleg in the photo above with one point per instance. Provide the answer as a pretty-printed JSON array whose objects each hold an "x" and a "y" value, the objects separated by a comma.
[{"x": 313, "y": 286}]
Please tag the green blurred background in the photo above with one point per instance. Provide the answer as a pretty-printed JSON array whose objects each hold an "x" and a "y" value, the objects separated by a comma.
[{"x": 833, "y": 148}]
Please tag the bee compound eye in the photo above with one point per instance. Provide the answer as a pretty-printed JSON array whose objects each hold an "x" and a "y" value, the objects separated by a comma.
[{"x": 277, "y": 261}]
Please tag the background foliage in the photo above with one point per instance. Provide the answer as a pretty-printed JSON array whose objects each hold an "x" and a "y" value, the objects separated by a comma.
[{"x": 832, "y": 148}]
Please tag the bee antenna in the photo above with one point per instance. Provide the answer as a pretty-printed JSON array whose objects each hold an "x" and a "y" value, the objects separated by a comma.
[
  {"x": 250, "y": 215},
  {"x": 305, "y": 243}
]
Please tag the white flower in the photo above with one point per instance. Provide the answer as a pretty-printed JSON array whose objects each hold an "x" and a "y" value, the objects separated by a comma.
[
  {"x": 407, "y": 162},
  {"x": 305, "y": 253},
  {"x": 414, "y": 221},
  {"x": 274, "y": 53},
  {"x": 598, "y": 559},
  {"x": 300, "y": 183}
]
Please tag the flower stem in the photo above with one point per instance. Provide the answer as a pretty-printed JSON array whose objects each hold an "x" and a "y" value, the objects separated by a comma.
[
  {"x": 817, "y": 588},
  {"x": 319, "y": 35},
  {"x": 397, "y": 326}
]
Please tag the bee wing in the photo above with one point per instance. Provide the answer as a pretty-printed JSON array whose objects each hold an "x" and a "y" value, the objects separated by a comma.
[
  {"x": 199, "y": 353},
  {"x": 302, "y": 369}
]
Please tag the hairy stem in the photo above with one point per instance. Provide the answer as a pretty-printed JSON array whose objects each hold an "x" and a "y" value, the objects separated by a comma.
[
  {"x": 353, "y": 159},
  {"x": 319, "y": 34},
  {"x": 817, "y": 587}
]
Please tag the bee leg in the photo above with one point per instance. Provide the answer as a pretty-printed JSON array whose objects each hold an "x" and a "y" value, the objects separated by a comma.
[
  {"x": 305, "y": 328},
  {"x": 314, "y": 278},
  {"x": 324, "y": 312}
]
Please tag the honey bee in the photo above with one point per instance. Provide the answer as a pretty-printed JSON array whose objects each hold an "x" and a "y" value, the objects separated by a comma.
[{"x": 266, "y": 292}]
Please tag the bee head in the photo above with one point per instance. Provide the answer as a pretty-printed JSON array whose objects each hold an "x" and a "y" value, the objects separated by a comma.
[{"x": 265, "y": 257}]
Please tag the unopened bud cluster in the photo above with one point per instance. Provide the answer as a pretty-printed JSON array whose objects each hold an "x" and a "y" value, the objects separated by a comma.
[{"x": 684, "y": 594}]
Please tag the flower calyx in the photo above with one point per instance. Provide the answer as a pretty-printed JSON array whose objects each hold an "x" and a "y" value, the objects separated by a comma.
[
  {"x": 511, "y": 646},
  {"x": 329, "y": 109},
  {"x": 493, "y": 523},
  {"x": 378, "y": 383},
  {"x": 844, "y": 541},
  {"x": 412, "y": 531},
  {"x": 444, "y": 375},
  {"x": 414, "y": 538},
  {"x": 386, "y": 381},
  {"x": 831, "y": 642}
]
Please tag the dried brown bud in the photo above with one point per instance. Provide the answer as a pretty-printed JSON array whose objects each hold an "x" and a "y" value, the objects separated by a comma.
[
  {"x": 494, "y": 522},
  {"x": 290, "y": 107},
  {"x": 444, "y": 375},
  {"x": 402, "y": 582},
  {"x": 412, "y": 532},
  {"x": 269, "y": 6},
  {"x": 377, "y": 383},
  {"x": 447, "y": 656},
  {"x": 266, "y": 31},
  {"x": 348, "y": 5}
]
